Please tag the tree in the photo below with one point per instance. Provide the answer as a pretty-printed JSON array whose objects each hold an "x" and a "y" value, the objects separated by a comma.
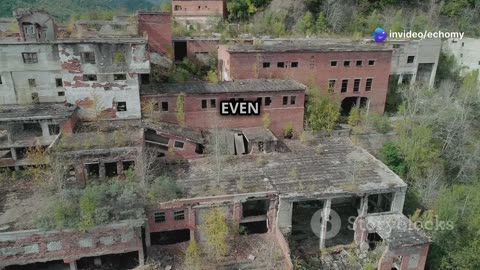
[
  {"x": 216, "y": 231},
  {"x": 193, "y": 259},
  {"x": 321, "y": 25},
  {"x": 322, "y": 112},
  {"x": 306, "y": 24}
]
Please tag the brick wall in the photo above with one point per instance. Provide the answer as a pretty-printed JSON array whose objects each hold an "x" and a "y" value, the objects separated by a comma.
[
  {"x": 157, "y": 25},
  {"x": 199, "y": 8},
  {"x": 281, "y": 115},
  {"x": 27, "y": 247},
  {"x": 315, "y": 68}
]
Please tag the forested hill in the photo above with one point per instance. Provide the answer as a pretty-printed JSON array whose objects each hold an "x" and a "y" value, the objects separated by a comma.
[{"x": 63, "y": 9}]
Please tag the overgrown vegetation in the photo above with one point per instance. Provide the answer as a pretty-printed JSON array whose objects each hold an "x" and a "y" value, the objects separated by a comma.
[
  {"x": 216, "y": 230},
  {"x": 321, "y": 112}
]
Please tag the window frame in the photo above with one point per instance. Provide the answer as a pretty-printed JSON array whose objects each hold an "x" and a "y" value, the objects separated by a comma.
[
  {"x": 293, "y": 100},
  {"x": 269, "y": 101},
  {"x": 359, "y": 80},
  {"x": 32, "y": 82},
  {"x": 346, "y": 86},
  {"x": 280, "y": 64},
  {"x": 57, "y": 80},
  {"x": 123, "y": 75},
  {"x": 347, "y": 63},
  {"x": 86, "y": 77},
  {"x": 177, "y": 214},
  {"x": 204, "y": 104},
  {"x": 332, "y": 88},
  {"x": 88, "y": 60},
  {"x": 412, "y": 57},
  {"x": 164, "y": 108},
  {"x": 332, "y": 63},
  {"x": 294, "y": 64},
  {"x": 213, "y": 103},
  {"x": 373, "y": 62},
  {"x": 30, "y": 57},
  {"x": 266, "y": 65},
  {"x": 285, "y": 100},
  {"x": 368, "y": 88},
  {"x": 121, "y": 105},
  {"x": 160, "y": 217},
  {"x": 361, "y": 63},
  {"x": 177, "y": 147}
]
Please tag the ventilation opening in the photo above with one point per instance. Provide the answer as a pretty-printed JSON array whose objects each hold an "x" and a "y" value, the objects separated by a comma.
[
  {"x": 122, "y": 261},
  {"x": 255, "y": 208},
  {"x": 170, "y": 237},
  {"x": 111, "y": 169},
  {"x": 256, "y": 227},
  {"x": 53, "y": 265}
]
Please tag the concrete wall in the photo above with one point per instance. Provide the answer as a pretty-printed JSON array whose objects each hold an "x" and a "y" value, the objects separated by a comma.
[
  {"x": 466, "y": 51},
  {"x": 103, "y": 95},
  {"x": 314, "y": 68},
  {"x": 25, "y": 247},
  {"x": 280, "y": 115},
  {"x": 15, "y": 74}
]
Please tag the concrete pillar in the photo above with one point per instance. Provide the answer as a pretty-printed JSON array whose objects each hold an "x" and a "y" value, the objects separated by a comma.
[
  {"x": 325, "y": 219},
  {"x": 141, "y": 257},
  {"x": 363, "y": 206},
  {"x": 148, "y": 240},
  {"x": 398, "y": 201},
  {"x": 119, "y": 167},
  {"x": 97, "y": 261},
  {"x": 45, "y": 131},
  {"x": 102, "y": 169},
  {"x": 284, "y": 216},
  {"x": 400, "y": 79},
  {"x": 359, "y": 100},
  {"x": 73, "y": 265},
  {"x": 13, "y": 151}
]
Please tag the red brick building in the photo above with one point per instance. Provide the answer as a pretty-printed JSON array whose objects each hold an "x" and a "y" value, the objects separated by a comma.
[
  {"x": 193, "y": 13},
  {"x": 352, "y": 72},
  {"x": 158, "y": 27},
  {"x": 282, "y": 100}
]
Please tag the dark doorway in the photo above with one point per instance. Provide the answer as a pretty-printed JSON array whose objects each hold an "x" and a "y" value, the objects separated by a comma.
[
  {"x": 346, "y": 208},
  {"x": 93, "y": 169},
  {"x": 170, "y": 237},
  {"x": 111, "y": 169},
  {"x": 122, "y": 261},
  {"x": 254, "y": 227},
  {"x": 349, "y": 102},
  {"x": 180, "y": 48},
  {"x": 374, "y": 240}
]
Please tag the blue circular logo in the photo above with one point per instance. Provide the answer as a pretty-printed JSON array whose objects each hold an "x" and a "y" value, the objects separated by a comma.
[{"x": 379, "y": 35}]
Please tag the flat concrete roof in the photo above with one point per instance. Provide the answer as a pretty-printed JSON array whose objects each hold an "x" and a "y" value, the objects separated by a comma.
[
  {"x": 237, "y": 86},
  {"x": 175, "y": 130},
  {"x": 306, "y": 47},
  {"x": 100, "y": 40},
  {"x": 396, "y": 229},
  {"x": 328, "y": 167},
  {"x": 36, "y": 111}
]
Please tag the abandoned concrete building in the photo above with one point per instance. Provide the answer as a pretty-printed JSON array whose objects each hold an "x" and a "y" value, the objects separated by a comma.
[
  {"x": 466, "y": 51},
  {"x": 199, "y": 13},
  {"x": 262, "y": 178},
  {"x": 355, "y": 73}
]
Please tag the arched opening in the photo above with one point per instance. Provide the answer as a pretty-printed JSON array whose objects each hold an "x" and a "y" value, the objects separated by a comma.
[{"x": 349, "y": 102}]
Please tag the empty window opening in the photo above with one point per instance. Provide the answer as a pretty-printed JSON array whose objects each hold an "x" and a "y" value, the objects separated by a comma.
[
  {"x": 285, "y": 101},
  {"x": 396, "y": 46},
  {"x": 179, "y": 215},
  {"x": 127, "y": 165},
  {"x": 179, "y": 144},
  {"x": 59, "y": 82},
  {"x": 32, "y": 82},
  {"x": 122, "y": 106},
  {"x": 256, "y": 227},
  {"x": 199, "y": 148},
  {"x": 266, "y": 64},
  {"x": 156, "y": 106},
  {"x": 293, "y": 99},
  {"x": 119, "y": 77},
  {"x": 152, "y": 137},
  {"x": 410, "y": 59},
  {"x": 359, "y": 63},
  {"x": 31, "y": 129},
  {"x": 93, "y": 169},
  {"x": 145, "y": 78},
  {"x": 280, "y": 64},
  {"x": 356, "y": 85},
  {"x": 374, "y": 240},
  {"x": 268, "y": 101},
  {"x": 35, "y": 98},
  {"x": 30, "y": 58},
  {"x": 344, "y": 86},
  {"x": 333, "y": 63},
  {"x": 61, "y": 94},
  {"x": 331, "y": 85},
  {"x": 294, "y": 65},
  {"x": 164, "y": 106},
  {"x": 255, "y": 208},
  {"x": 177, "y": 7},
  {"x": 371, "y": 62},
  {"x": 170, "y": 237},
  {"x": 379, "y": 203},
  {"x": 111, "y": 169},
  {"x": 204, "y": 104},
  {"x": 159, "y": 217},
  {"x": 213, "y": 103},
  {"x": 368, "y": 85},
  {"x": 54, "y": 129},
  {"x": 346, "y": 63},
  {"x": 90, "y": 77},
  {"x": 259, "y": 100},
  {"x": 88, "y": 58}
]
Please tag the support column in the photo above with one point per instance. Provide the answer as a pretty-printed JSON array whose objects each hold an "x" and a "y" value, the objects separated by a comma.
[
  {"x": 400, "y": 79},
  {"x": 13, "y": 151},
  {"x": 73, "y": 265},
  {"x": 101, "y": 169},
  {"x": 284, "y": 216},
  {"x": 148, "y": 241},
  {"x": 398, "y": 201},
  {"x": 359, "y": 100},
  {"x": 363, "y": 206},
  {"x": 141, "y": 257},
  {"x": 119, "y": 167},
  {"x": 45, "y": 131},
  {"x": 325, "y": 219}
]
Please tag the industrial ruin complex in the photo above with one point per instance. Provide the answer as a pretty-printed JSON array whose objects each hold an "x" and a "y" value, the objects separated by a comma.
[{"x": 56, "y": 88}]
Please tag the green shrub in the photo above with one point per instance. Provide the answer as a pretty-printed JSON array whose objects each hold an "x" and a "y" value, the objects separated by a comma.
[
  {"x": 379, "y": 122},
  {"x": 164, "y": 188}
]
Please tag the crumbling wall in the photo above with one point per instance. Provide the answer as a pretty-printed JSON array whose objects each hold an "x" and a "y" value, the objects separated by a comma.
[
  {"x": 199, "y": 8},
  {"x": 25, "y": 247},
  {"x": 157, "y": 26}
]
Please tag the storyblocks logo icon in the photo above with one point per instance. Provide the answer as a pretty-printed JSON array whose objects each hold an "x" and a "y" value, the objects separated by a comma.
[{"x": 379, "y": 35}]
